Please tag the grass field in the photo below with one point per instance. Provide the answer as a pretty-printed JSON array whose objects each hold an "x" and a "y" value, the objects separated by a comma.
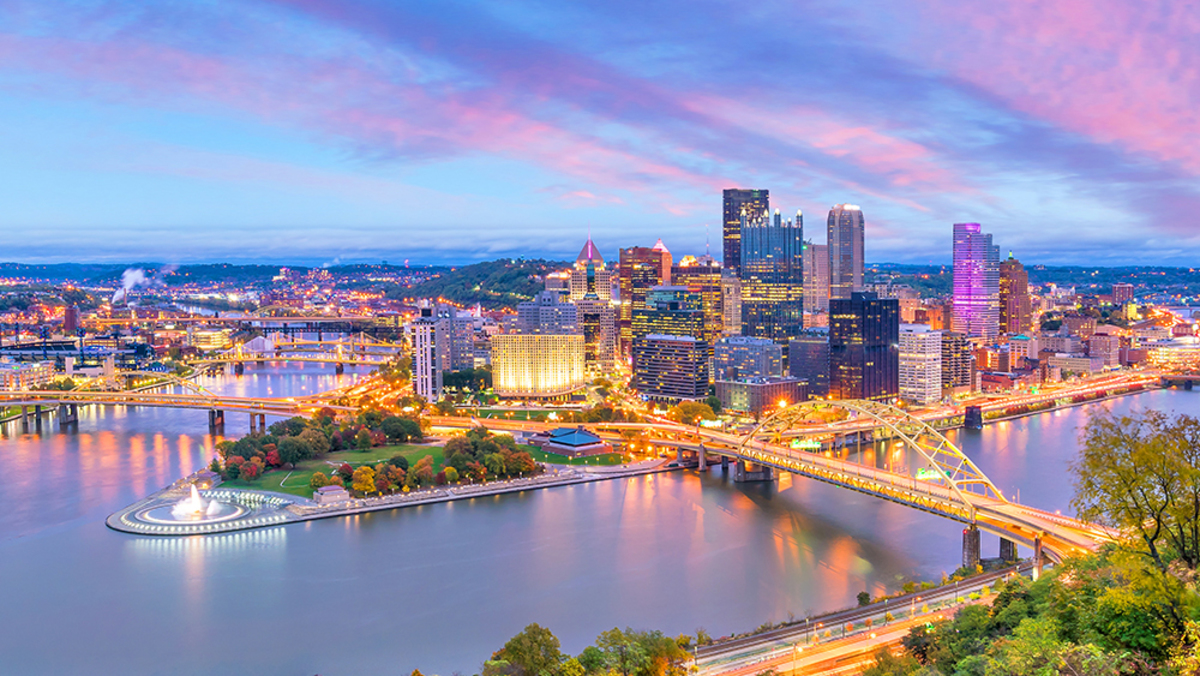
[
  {"x": 296, "y": 482},
  {"x": 556, "y": 459}
]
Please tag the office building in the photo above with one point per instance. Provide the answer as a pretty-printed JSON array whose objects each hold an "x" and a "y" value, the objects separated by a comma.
[
  {"x": 71, "y": 319},
  {"x": 671, "y": 310},
  {"x": 590, "y": 277},
  {"x": 816, "y": 277},
  {"x": 670, "y": 368},
  {"x": 846, "y": 229},
  {"x": 760, "y": 396},
  {"x": 731, "y": 303},
  {"x": 702, "y": 276},
  {"x": 920, "y": 364},
  {"x": 864, "y": 356},
  {"x": 1122, "y": 293},
  {"x": 590, "y": 290},
  {"x": 547, "y": 313},
  {"x": 639, "y": 269},
  {"x": 976, "y": 282},
  {"x": 30, "y": 376},
  {"x": 737, "y": 200},
  {"x": 429, "y": 336},
  {"x": 1016, "y": 316},
  {"x": 958, "y": 363},
  {"x": 772, "y": 275},
  {"x": 537, "y": 366},
  {"x": 808, "y": 359},
  {"x": 736, "y": 357}
]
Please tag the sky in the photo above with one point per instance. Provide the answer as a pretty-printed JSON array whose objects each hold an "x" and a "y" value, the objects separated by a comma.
[{"x": 321, "y": 131}]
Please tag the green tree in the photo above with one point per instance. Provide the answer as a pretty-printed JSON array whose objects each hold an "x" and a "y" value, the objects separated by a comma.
[
  {"x": 691, "y": 412},
  {"x": 362, "y": 440},
  {"x": 318, "y": 443},
  {"x": 534, "y": 651},
  {"x": 292, "y": 450},
  {"x": 714, "y": 402},
  {"x": 864, "y": 599},
  {"x": 451, "y": 475},
  {"x": 495, "y": 464}
]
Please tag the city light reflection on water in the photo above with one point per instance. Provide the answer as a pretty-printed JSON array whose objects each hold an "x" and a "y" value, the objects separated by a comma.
[{"x": 441, "y": 586}]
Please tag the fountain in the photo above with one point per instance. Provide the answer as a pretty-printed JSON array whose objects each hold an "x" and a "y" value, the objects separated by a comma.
[{"x": 195, "y": 507}]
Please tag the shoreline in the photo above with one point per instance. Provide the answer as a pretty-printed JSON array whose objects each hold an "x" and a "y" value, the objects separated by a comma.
[{"x": 297, "y": 510}]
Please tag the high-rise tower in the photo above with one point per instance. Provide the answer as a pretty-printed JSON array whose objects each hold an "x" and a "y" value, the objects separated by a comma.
[
  {"x": 772, "y": 275},
  {"x": 738, "y": 200},
  {"x": 845, "y": 243},
  {"x": 1015, "y": 313},
  {"x": 976, "y": 282}
]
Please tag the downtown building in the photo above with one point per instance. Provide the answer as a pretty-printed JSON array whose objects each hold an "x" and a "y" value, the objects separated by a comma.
[
  {"x": 670, "y": 367},
  {"x": 808, "y": 359},
  {"x": 772, "y": 274},
  {"x": 864, "y": 354},
  {"x": 590, "y": 289},
  {"x": 639, "y": 269},
  {"x": 845, "y": 233},
  {"x": 704, "y": 277},
  {"x": 816, "y": 277},
  {"x": 736, "y": 201},
  {"x": 737, "y": 357},
  {"x": 920, "y": 364},
  {"x": 976, "y": 283},
  {"x": 429, "y": 336},
  {"x": 958, "y": 363},
  {"x": 1016, "y": 315},
  {"x": 543, "y": 357}
]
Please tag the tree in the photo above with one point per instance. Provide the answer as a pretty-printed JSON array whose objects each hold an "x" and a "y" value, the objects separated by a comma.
[
  {"x": 864, "y": 599},
  {"x": 399, "y": 460},
  {"x": 288, "y": 428},
  {"x": 318, "y": 443},
  {"x": 395, "y": 429},
  {"x": 691, "y": 412},
  {"x": 534, "y": 651},
  {"x": 451, "y": 475},
  {"x": 318, "y": 480},
  {"x": 273, "y": 459},
  {"x": 714, "y": 402},
  {"x": 345, "y": 471},
  {"x": 363, "y": 480},
  {"x": 458, "y": 445},
  {"x": 250, "y": 471},
  {"x": 362, "y": 440},
  {"x": 423, "y": 471},
  {"x": 292, "y": 450},
  {"x": 495, "y": 464}
]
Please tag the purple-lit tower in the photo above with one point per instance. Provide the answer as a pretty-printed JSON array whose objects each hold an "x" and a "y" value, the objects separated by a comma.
[{"x": 976, "y": 282}]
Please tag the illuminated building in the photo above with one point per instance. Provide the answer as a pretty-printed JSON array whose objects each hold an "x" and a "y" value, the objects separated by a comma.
[
  {"x": 590, "y": 284},
  {"x": 736, "y": 357},
  {"x": 756, "y": 396},
  {"x": 864, "y": 347},
  {"x": 209, "y": 339},
  {"x": 772, "y": 275},
  {"x": 29, "y": 376},
  {"x": 670, "y": 367},
  {"x": 537, "y": 365},
  {"x": 808, "y": 359},
  {"x": 639, "y": 269},
  {"x": 958, "y": 363},
  {"x": 846, "y": 229},
  {"x": 671, "y": 310},
  {"x": 429, "y": 336},
  {"x": 1015, "y": 313},
  {"x": 737, "y": 200},
  {"x": 1079, "y": 325},
  {"x": 703, "y": 276},
  {"x": 70, "y": 319},
  {"x": 590, "y": 278},
  {"x": 1106, "y": 347},
  {"x": 1122, "y": 293},
  {"x": 920, "y": 364},
  {"x": 1180, "y": 355},
  {"x": 547, "y": 313},
  {"x": 731, "y": 303},
  {"x": 816, "y": 277},
  {"x": 976, "y": 282}
]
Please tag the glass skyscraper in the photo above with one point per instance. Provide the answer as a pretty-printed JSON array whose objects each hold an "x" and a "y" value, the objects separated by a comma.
[
  {"x": 864, "y": 347},
  {"x": 772, "y": 275},
  {"x": 736, "y": 201},
  {"x": 845, "y": 234},
  {"x": 976, "y": 282}
]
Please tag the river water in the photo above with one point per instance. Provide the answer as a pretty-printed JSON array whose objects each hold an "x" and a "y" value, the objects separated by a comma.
[{"x": 439, "y": 587}]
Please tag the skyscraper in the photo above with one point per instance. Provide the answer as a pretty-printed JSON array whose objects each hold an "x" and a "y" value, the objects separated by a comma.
[
  {"x": 736, "y": 201},
  {"x": 864, "y": 351},
  {"x": 845, "y": 242},
  {"x": 816, "y": 277},
  {"x": 429, "y": 336},
  {"x": 670, "y": 367},
  {"x": 808, "y": 359},
  {"x": 1015, "y": 313},
  {"x": 590, "y": 287},
  {"x": 920, "y": 364},
  {"x": 703, "y": 276},
  {"x": 639, "y": 269},
  {"x": 772, "y": 275},
  {"x": 976, "y": 282}
]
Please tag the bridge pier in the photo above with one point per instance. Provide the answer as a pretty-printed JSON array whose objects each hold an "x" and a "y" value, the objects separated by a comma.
[
  {"x": 744, "y": 472},
  {"x": 725, "y": 463},
  {"x": 216, "y": 420},
  {"x": 1038, "y": 557},
  {"x": 68, "y": 414},
  {"x": 258, "y": 422},
  {"x": 37, "y": 418},
  {"x": 973, "y": 418},
  {"x": 339, "y": 369},
  {"x": 971, "y": 555},
  {"x": 25, "y": 419},
  {"x": 239, "y": 368},
  {"x": 1008, "y": 550},
  {"x": 703, "y": 459}
]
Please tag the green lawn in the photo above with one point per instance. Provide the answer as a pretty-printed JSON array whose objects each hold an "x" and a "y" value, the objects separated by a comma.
[
  {"x": 556, "y": 459},
  {"x": 297, "y": 483}
]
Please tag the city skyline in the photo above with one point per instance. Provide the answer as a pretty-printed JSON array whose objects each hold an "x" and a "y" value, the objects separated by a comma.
[{"x": 320, "y": 132}]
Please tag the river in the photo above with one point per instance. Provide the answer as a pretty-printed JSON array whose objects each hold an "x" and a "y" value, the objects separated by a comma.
[{"x": 439, "y": 587}]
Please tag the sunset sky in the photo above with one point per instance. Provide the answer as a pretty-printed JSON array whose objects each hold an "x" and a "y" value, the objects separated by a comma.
[{"x": 321, "y": 130}]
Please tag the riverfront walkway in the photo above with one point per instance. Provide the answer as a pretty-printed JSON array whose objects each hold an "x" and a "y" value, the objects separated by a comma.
[{"x": 265, "y": 509}]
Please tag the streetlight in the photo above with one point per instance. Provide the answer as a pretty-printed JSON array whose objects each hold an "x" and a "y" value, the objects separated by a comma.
[{"x": 795, "y": 657}]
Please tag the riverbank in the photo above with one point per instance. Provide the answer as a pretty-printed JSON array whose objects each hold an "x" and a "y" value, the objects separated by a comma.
[{"x": 265, "y": 509}]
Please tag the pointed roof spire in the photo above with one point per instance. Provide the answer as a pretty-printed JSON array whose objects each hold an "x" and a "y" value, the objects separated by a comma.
[{"x": 589, "y": 253}]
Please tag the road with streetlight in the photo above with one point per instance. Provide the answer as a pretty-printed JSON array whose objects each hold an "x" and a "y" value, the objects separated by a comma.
[{"x": 805, "y": 642}]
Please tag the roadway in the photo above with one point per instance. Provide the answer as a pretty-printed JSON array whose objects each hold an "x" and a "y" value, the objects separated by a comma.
[{"x": 280, "y": 407}]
